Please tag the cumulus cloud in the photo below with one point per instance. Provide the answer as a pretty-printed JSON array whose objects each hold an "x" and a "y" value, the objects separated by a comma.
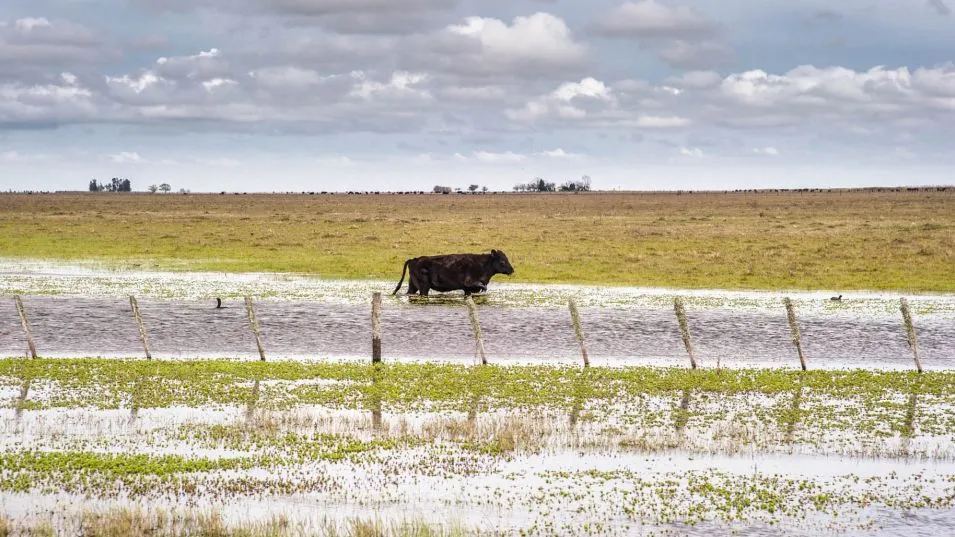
[
  {"x": 568, "y": 101},
  {"x": 482, "y": 46},
  {"x": 220, "y": 87}
]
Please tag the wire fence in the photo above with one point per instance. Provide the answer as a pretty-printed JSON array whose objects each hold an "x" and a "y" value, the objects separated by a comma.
[{"x": 376, "y": 337}]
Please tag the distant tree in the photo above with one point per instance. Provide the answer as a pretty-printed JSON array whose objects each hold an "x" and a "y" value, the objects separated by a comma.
[
  {"x": 95, "y": 187},
  {"x": 438, "y": 189},
  {"x": 165, "y": 187},
  {"x": 473, "y": 188},
  {"x": 484, "y": 188},
  {"x": 153, "y": 188}
]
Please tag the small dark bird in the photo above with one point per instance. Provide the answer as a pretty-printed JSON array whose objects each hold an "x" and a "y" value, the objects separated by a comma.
[
  {"x": 218, "y": 302},
  {"x": 836, "y": 298}
]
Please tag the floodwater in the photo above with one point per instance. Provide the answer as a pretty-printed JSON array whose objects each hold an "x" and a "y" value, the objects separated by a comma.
[
  {"x": 557, "y": 490},
  {"x": 439, "y": 331}
]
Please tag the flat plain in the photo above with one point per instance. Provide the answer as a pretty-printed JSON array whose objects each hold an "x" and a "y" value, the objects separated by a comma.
[
  {"x": 322, "y": 444},
  {"x": 787, "y": 240}
]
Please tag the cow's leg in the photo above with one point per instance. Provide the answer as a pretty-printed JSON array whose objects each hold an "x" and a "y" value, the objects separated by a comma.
[
  {"x": 423, "y": 282},
  {"x": 476, "y": 288}
]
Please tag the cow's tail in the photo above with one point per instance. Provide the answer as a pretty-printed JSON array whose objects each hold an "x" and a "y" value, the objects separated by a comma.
[{"x": 403, "y": 270}]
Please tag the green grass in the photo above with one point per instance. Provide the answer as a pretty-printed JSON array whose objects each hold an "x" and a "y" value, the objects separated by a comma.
[
  {"x": 106, "y": 383},
  {"x": 847, "y": 240}
]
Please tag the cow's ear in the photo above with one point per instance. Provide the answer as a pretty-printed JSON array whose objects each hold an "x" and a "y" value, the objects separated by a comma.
[{"x": 495, "y": 252}]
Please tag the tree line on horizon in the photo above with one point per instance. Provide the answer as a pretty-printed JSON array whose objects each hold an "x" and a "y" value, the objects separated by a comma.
[
  {"x": 540, "y": 185},
  {"x": 117, "y": 185}
]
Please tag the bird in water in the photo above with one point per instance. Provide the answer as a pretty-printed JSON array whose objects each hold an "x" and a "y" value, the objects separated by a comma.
[
  {"x": 218, "y": 302},
  {"x": 836, "y": 298}
]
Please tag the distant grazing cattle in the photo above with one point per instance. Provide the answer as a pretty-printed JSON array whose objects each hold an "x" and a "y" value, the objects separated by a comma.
[{"x": 449, "y": 272}]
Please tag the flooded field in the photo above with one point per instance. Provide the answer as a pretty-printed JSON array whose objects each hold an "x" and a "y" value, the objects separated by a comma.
[
  {"x": 206, "y": 439},
  {"x": 84, "y": 311},
  {"x": 516, "y": 450}
]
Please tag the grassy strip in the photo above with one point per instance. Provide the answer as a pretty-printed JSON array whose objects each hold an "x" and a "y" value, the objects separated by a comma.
[
  {"x": 848, "y": 240},
  {"x": 115, "y": 465},
  {"x": 158, "y": 383},
  {"x": 869, "y": 404}
]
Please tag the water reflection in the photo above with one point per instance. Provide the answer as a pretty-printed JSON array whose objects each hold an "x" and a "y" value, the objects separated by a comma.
[{"x": 182, "y": 329}]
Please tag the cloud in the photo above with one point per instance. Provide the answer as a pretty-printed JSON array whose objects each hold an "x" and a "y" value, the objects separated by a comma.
[
  {"x": 559, "y": 154},
  {"x": 767, "y": 151},
  {"x": 217, "y": 87},
  {"x": 496, "y": 158},
  {"x": 681, "y": 36},
  {"x": 691, "y": 152},
  {"x": 28, "y": 45},
  {"x": 126, "y": 157},
  {"x": 567, "y": 101},
  {"x": 499, "y": 157},
  {"x": 531, "y": 45},
  {"x": 343, "y": 16},
  {"x": 648, "y": 19},
  {"x": 332, "y": 7}
]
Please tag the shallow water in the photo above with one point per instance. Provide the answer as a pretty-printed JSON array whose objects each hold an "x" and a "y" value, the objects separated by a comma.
[
  {"x": 553, "y": 492},
  {"x": 104, "y": 326}
]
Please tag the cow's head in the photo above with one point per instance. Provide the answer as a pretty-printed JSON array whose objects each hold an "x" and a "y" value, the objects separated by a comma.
[{"x": 500, "y": 263}]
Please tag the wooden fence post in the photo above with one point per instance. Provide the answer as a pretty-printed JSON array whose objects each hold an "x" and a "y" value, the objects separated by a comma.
[
  {"x": 910, "y": 333},
  {"x": 578, "y": 331},
  {"x": 139, "y": 321},
  {"x": 794, "y": 329},
  {"x": 255, "y": 326},
  {"x": 684, "y": 329},
  {"x": 26, "y": 325},
  {"x": 376, "y": 328},
  {"x": 476, "y": 327}
]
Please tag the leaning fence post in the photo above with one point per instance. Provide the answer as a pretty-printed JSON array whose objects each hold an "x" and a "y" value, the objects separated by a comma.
[
  {"x": 376, "y": 327},
  {"x": 255, "y": 326},
  {"x": 684, "y": 329},
  {"x": 139, "y": 321},
  {"x": 910, "y": 332},
  {"x": 794, "y": 329},
  {"x": 575, "y": 317},
  {"x": 26, "y": 325},
  {"x": 476, "y": 327}
]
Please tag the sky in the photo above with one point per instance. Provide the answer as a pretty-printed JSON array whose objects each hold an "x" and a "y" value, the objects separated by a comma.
[{"x": 312, "y": 95}]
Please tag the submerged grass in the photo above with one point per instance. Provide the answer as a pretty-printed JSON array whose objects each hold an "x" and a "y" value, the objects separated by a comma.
[
  {"x": 153, "y": 522},
  {"x": 516, "y": 441},
  {"x": 843, "y": 240}
]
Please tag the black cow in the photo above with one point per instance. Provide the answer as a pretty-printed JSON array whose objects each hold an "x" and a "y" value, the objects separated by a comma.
[{"x": 449, "y": 272}]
